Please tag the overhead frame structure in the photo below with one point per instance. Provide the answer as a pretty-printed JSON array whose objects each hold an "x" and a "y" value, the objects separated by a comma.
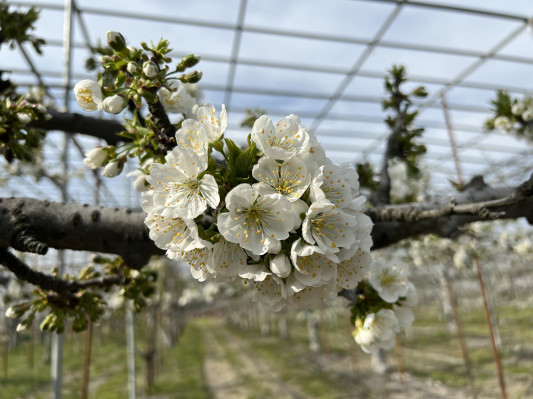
[{"x": 473, "y": 134}]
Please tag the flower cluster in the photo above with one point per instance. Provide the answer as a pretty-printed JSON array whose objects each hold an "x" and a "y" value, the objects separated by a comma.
[
  {"x": 132, "y": 75},
  {"x": 18, "y": 138},
  {"x": 377, "y": 324},
  {"x": 512, "y": 115},
  {"x": 277, "y": 214}
]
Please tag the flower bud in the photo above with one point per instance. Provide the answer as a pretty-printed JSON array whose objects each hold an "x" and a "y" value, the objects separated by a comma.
[
  {"x": 188, "y": 61},
  {"x": 95, "y": 158},
  {"x": 40, "y": 108},
  {"x": 527, "y": 115},
  {"x": 191, "y": 77},
  {"x": 116, "y": 41},
  {"x": 24, "y": 117},
  {"x": 133, "y": 68},
  {"x": 517, "y": 108},
  {"x": 113, "y": 169},
  {"x": 21, "y": 327},
  {"x": 217, "y": 145},
  {"x": 105, "y": 59},
  {"x": 150, "y": 69},
  {"x": 115, "y": 104},
  {"x": 10, "y": 313},
  {"x": 280, "y": 265}
]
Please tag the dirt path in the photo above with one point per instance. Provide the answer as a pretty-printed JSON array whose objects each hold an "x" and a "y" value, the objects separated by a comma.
[{"x": 232, "y": 372}]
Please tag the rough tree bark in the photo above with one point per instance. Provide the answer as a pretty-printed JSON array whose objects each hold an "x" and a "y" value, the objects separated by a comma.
[{"x": 41, "y": 224}]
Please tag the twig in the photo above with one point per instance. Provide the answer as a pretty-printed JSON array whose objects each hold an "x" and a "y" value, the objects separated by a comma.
[{"x": 50, "y": 283}]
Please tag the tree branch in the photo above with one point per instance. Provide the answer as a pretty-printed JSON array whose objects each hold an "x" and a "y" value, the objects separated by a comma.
[
  {"x": 122, "y": 232},
  {"x": 81, "y": 227},
  {"x": 478, "y": 202},
  {"x": 64, "y": 288},
  {"x": 165, "y": 130},
  {"x": 105, "y": 129}
]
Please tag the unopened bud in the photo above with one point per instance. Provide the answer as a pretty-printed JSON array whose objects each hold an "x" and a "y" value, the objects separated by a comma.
[
  {"x": 191, "y": 77},
  {"x": 116, "y": 41},
  {"x": 188, "y": 61},
  {"x": 24, "y": 117},
  {"x": 114, "y": 104},
  {"x": 150, "y": 69},
  {"x": 105, "y": 59},
  {"x": 113, "y": 169},
  {"x": 133, "y": 68},
  {"x": 95, "y": 158}
]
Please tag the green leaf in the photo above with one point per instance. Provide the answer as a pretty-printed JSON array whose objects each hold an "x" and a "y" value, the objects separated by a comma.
[
  {"x": 121, "y": 78},
  {"x": 233, "y": 150},
  {"x": 245, "y": 160}
]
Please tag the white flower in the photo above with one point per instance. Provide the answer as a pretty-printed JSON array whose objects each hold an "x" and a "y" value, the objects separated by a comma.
[
  {"x": 462, "y": 258},
  {"x": 364, "y": 224},
  {"x": 21, "y": 327},
  {"x": 200, "y": 260},
  {"x": 113, "y": 169},
  {"x": 329, "y": 227},
  {"x": 313, "y": 154},
  {"x": 256, "y": 222},
  {"x": 282, "y": 141},
  {"x": 176, "y": 98},
  {"x": 214, "y": 126},
  {"x": 281, "y": 265},
  {"x": 150, "y": 69},
  {"x": 175, "y": 235},
  {"x": 178, "y": 187},
  {"x": 352, "y": 268},
  {"x": 270, "y": 292},
  {"x": 306, "y": 296},
  {"x": 389, "y": 279},
  {"x": 517, "y": 108},
  {"x": 114, "y": 104},
  {"x": 253, "y": 273},
  {"x": 404, "y": 315},
  {"x": 192, "y": 135},
  {"x": 10, "y": 313},
  {"x": 378, "y": 331},
  {"x": 24, "y": 117},
  {"x": 139, "y": 182},
  {"x": 523, "y": 247},
  {"x": 338, "y": 184},
  {"x": 313, "y": 266},
  {"x": 289, "y": 178},
  {"x": 88, "y": 95},
  {"x": 503, "y": 122},
  {"x": 411, "y": 298},
  {"x": 228, "y": 258},
  {"x": 527, "y": 115}
]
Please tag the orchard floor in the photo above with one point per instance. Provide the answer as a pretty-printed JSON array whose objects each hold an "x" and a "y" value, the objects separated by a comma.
[
  {"x": 215, "y": 360},
  {"x": 235, "y": 368}
]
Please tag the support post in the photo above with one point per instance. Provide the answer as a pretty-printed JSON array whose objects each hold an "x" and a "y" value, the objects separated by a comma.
[
  {"x": 495, "y": 351},
  {"x": 460, "y": 335}
]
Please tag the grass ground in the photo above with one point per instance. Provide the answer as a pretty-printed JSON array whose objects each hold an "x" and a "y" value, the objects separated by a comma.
[{"x": 214, "y": 360}]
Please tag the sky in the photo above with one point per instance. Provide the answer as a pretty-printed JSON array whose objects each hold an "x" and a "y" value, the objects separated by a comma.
[{"x": 295, "y": 55}]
